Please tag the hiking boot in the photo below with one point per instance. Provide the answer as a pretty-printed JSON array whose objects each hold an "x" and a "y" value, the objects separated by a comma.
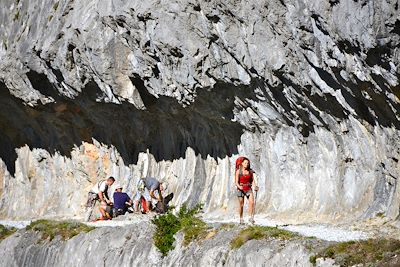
[
  {"x": 241, "y": 221},
  {"x": 251, "y": 221}
]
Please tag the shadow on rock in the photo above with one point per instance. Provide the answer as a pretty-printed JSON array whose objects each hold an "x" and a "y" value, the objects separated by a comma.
[{"x": 165, "y": 128}]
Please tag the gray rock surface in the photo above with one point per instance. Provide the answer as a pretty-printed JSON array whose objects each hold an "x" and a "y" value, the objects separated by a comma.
[
  {"x": 309, "y": 90},
  {"x": 126, "y": 246}
]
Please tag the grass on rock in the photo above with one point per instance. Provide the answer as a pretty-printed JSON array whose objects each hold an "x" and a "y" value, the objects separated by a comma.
[
  {"x": 168, "y": 225},
  {"x": 379, "y": 252},
  {"x": 260, "y": 232},
  {"x": 66, "y": 229},
  {"x": 6, "y": 231}
]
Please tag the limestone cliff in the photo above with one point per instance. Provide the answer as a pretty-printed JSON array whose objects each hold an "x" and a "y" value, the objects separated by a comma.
[{"x": 309, "y": 90}]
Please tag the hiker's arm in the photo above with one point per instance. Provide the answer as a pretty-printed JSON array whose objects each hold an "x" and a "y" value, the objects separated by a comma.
[
  {"x": 237, "y": 180},
  {"x": 152, "y": 194},
  {"x": 160, "y": 197},
  {"x": 255, "y": 182},
  {"x": 101, "y": 196}
]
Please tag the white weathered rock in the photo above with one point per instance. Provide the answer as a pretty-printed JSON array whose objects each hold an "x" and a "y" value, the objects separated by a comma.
[
  {"x": 133, "y": 246},
  {"x": 313, "y": 85}
]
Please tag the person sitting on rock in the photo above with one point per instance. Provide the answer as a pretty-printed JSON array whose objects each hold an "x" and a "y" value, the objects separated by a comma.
[
  {"x": 121, "y": 202},
  {"x": 147, "y": 187},
  {"x": 100, "y": 192}
]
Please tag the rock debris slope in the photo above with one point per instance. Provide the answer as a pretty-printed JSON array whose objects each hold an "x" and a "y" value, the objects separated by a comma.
[{"x": 176, "y": 89}]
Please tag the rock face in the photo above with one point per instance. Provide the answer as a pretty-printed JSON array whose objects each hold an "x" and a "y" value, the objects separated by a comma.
[
  {"x": 119, "y": 246},
  {"x": 309, "y": 90}
]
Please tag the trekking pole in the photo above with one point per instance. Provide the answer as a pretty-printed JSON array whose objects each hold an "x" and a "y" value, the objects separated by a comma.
[{"x": 254, "y": 207}]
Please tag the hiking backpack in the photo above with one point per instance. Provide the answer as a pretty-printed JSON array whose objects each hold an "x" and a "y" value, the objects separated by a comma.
[
  {"x": 238, "y": 165},
  {"x": 238, "y": 162}
]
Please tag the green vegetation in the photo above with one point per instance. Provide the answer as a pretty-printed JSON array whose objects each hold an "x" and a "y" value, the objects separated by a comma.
[
  {"x": 260, "y": 232},
  {"x": 6, "y": 231},
  {"x": 225, "y": 226},
  {"x": 168, "y": 225},
  {"x": 373, "y": 251},
  {"x": 55, "y": 6},
  {"x": 380, "y": 214},
  {"x": 16, "y": 16},
  {"x": 66, "y": 229},
  {"x": 50, "y": 18},
  {"x": 193, "y": 227}
]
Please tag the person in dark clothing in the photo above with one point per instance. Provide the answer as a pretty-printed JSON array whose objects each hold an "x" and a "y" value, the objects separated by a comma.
[{"x": 121, "y": 201}]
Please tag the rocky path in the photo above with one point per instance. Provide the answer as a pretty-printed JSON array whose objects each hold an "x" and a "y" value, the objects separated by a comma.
[{"x": 320, "y": 231}]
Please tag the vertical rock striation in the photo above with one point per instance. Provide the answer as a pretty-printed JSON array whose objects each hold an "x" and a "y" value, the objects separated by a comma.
[{"x": 308, "y": 89}]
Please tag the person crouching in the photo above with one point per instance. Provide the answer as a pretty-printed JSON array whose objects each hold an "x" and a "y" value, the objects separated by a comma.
[
  {"x": 121, "y": 202},
  {"x": 99, "y": 192}
]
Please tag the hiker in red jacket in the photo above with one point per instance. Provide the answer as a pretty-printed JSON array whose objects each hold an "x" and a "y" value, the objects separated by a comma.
[{"x": 245, "y": 182}]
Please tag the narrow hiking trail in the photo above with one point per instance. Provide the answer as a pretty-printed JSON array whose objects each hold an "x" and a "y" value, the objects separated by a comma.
[{"x": 321, "y": 231}]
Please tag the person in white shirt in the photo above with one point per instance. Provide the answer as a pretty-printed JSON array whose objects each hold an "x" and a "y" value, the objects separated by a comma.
[{"x": 99, "y": 192}]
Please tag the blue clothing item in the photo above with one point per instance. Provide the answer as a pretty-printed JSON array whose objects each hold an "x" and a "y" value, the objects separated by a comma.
[
  {"x": 120, "y": 199},
  {"x": 151, "y": 183}
]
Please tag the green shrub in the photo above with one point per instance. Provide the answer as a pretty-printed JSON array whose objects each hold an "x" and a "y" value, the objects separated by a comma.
[
  {"x": 375, "y": 251},
  {"x": 260, "y": 232},
  {"x": 168, "y": 225},
  {"x": 6, "y": 231},
  {"x": 66, "y": 229},
  {"x": 193, "y": 227}
]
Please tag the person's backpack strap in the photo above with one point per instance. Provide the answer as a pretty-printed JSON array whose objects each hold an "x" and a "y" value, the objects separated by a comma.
[
  {"x": 99, "y": 184},
  {"x": 141, "y": 185}
]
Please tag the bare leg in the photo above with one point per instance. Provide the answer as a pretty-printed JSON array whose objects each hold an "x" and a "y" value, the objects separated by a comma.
[
  {"x": 251, "y": 207},
  {"x": 136, "y": 205},
  {"x": 102, "y": 208},
  {"x": 241, "y": 204}
]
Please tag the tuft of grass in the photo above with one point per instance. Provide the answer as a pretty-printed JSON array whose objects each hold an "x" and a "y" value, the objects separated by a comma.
[
  {"x": 313, "y": 259},
  {"x": 16, "y": 16},
  {"x": 168, "y": 225},
  {"x": 378, "y": 252},
  {"x": 50, "y": 18},
  {"x": 6, "y": 231},
  {"x": 55, "y": 6},
  {"x": 225, "y": 226},
  {"x": 380, "y": 214},
  {"x": 66, "y": 229},
  {"x": 260, "y": 232}
]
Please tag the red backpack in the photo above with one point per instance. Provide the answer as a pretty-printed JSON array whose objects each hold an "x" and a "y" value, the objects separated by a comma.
[{"x": 238, "y": 162}]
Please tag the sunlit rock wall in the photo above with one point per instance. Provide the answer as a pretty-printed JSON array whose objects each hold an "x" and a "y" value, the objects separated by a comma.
[{"x": 309, "y": 90}]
